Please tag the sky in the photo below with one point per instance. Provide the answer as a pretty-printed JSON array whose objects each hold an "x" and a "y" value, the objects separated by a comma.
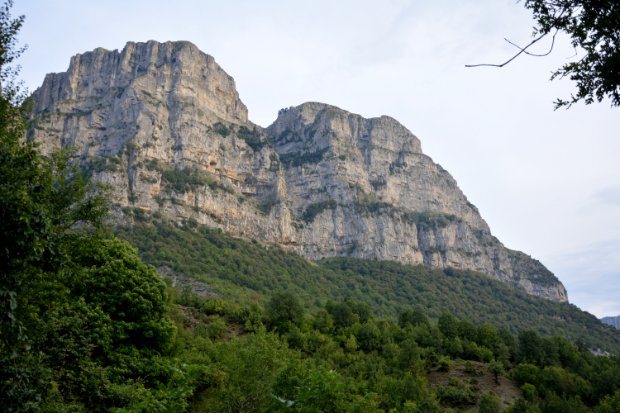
[{"x": 547, "y": 182}]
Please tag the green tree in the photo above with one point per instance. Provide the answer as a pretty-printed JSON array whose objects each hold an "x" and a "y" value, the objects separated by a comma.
[
  {"x": 343, "y": 315},
  {"x": 318, "y": 393},
  {"x": 415, "y": 318},
  {"x": 467, "y": 330},
  {"x": 217, "y": 329},
  {"x": 610, "y": 404},
  {"x": 529, "y": 392},
  {"x": 496, "y": 368},
  {"x": 530, "y": 346},
  {"x": 594, "y": 28},
  {"x": 249, "y": 368},
  {"x": 525, "y": 373},
  {"x": 521, "y": 405},
  {"x": 556, "y": 404},
  {"x": 368, "y": 336},
  {"x": 40, "y": 201},
  {"x": 409, "y": 357},
  {"x": 454, "y": 347},
  {"x": 108, "y": 276},
  {"x": 448, "y": 325},
  {"x": 323, "y": 321},
  {"x": 284, "y": 307},
  {"x": 487, "y": 336}
]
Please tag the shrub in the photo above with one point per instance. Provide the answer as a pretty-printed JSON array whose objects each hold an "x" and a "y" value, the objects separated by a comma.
[
  {"x": 217, "y": 329},
  {"x": 529, "y": 392},
  {"x": 470, "y": 367},
  {"x": 444, "y": 363},
  {"x": 294, "y": 159},
  {"x": 317, "y": 208},
  {"x": 456, "y": 396},
  {"x": 221, "y": 129},
  {"x": 489, "y": 403}
]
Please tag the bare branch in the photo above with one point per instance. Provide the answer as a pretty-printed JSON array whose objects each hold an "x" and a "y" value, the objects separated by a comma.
[
  {"x": 575, "y": 49},
  {"x": 523, "y": 50},
  {"x": 513, "y": 57},
  {"x": 532, "y": 54}
]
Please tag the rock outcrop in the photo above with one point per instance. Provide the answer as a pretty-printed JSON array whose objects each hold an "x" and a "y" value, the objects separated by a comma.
[
  {"x": 181, "y": 281},
  {"x": 163, "y": 124}
]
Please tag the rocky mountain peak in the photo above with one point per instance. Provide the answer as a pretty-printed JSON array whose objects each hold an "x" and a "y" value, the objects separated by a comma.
[
  {"x": 163, "y": 125},
  {"x": 171, "y": 73},
  {"x": 384, "y": 132}
]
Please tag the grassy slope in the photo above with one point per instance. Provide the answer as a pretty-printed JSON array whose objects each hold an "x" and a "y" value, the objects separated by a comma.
[{"x": 248, "y": 272}]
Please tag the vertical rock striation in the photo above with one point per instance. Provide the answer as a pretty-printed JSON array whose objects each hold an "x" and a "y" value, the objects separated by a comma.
[{"x": 163, "y": 124}]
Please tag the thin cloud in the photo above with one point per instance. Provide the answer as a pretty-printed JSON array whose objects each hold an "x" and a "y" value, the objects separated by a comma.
[{"x": 591, "y": 276}]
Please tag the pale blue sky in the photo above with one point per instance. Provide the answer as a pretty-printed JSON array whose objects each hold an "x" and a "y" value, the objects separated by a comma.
[{"x": 548, "y": 183}]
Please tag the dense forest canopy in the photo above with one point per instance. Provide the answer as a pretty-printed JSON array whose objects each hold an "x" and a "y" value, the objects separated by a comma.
[{"x": 248, "y": 272}]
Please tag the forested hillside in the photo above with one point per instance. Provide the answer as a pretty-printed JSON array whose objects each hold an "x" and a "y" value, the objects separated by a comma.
[{"x": 248, "y": 272}]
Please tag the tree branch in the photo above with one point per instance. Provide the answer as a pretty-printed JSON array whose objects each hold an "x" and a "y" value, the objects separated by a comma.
[
  {"x": 515, "y": 56},
  {"x": 532, "y": 54},
  {"x": 523, "y": 50}
]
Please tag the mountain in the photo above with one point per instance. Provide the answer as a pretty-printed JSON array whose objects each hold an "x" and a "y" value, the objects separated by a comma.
[
  {"x": 163, "y": 125},
  {"x": 612, "y": 321}
]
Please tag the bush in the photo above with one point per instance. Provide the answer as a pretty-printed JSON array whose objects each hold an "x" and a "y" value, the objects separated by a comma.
[
  {"x": 444, "y": 363},
  {"x": 456, "y": 396},
  {"x": 217, "y": 329},
  {"x": 317, "y": 208},
  {"x": 489, "y": 403},
  {"x": 470, "y": 367},
  {"x": 454, "y": 347}
]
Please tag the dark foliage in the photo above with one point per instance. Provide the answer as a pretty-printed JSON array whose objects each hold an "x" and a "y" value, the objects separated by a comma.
[
  {"x": 317, "y": 208},
  {"x": 293, "y": 160},
  {"x": 594, "y": 28},
  {"x": 253, "y": 138},
  {"x": 186, "y": 180}
]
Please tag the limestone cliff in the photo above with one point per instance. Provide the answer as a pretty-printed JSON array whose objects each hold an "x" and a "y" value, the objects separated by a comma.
[{"x": 163, "y": 124}]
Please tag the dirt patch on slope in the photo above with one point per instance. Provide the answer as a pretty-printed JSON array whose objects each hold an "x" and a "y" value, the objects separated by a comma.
[{"x": 508, "y": 391}]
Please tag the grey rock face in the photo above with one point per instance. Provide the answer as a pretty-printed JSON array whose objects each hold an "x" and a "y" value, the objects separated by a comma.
[
  {"x": 612, "y": 321},
  {"x": 164, "y": 126},
  {"x": 181, "y": 280}
]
